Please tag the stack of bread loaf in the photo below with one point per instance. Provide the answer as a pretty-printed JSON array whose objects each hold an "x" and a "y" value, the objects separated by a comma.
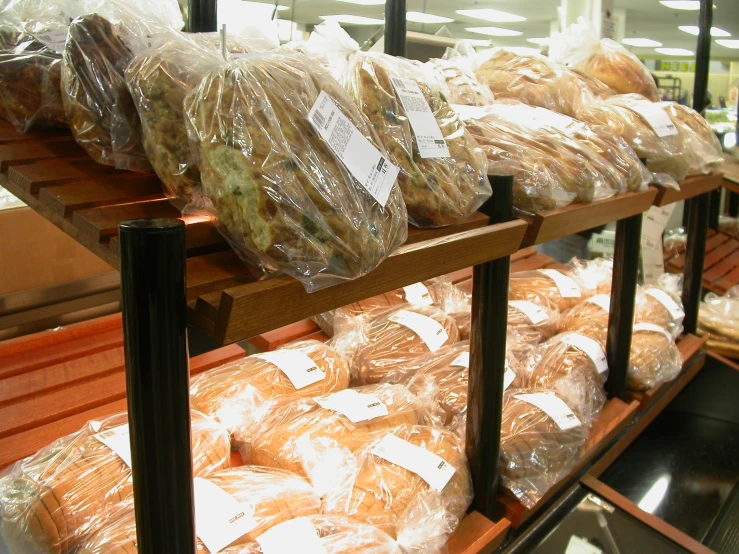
[{"x": 719, "y": 315}]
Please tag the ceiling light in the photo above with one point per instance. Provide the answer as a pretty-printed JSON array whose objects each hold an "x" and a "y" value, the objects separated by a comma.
[
  {"x": 492, "y": 15},
  {"x": 263, "y": 5},
  {"x": 493, "y": 31},
  {"x": 674, "y": 51},
  {"x": 352, "y": 19},
  {"x": 418, "y": 17},
  {"x": 728, "y": 43},
  {"x": 642, "y": 42},
  {"x": 693, "y": 5},
  {"x": 364, "y": 2},
  {"x": 542, "y": 40},
  {"x": 693, "y": 30}
]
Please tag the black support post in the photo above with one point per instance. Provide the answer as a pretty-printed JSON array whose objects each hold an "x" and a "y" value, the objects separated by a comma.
[
  {"x": 714, "y": 210},
  {"x": 702, "y": 55},
  {"x": 157, "y": 383},
  {"x": 733, "y": 204},
  {"x": 395, "y": 27},
  {"x": 202, "y": 16},
  {"x": 487, "y": 359},
  {"x": 623, "y": 294},
  {"x": 695, "y": 253}
]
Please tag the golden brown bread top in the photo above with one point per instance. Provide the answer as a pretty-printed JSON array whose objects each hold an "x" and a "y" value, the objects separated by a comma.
[{"x": 655, "y": 359}]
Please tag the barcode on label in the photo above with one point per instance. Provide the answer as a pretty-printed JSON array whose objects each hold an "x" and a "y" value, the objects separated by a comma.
[{"x": 319, "y": 119}]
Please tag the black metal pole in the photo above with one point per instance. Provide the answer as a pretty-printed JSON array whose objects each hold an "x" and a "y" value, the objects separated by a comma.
[
  {"x": 623, "y": 294},
  {"x": 702, "y": 55},
  {"x": 733, "y": 204},
  {"x": 714, "y": 210},
  {"x": 202, "y": 16},
  {"x": 157, "y": 383},
  {"x": 695, "y": 253},
  {"x": 487, "y": 360},
  {"x": 395, "y": 27}
]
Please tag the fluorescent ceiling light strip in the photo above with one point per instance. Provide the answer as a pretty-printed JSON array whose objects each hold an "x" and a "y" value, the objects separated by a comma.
[
  {"x": 364, "y": 2},
  {"x": 352, "y": 19},
  {"x": 418, "y": 17},
  {"x": 493, "y": 31},
  {"x": 728, "y": 43},
  {"x": 494, "y": 16},
  {"x": 674, "y": 51},
  {"x": 263, "y": 5},
  {"x": 693, "y": 30},
  {"x": 693, "y": 5}
]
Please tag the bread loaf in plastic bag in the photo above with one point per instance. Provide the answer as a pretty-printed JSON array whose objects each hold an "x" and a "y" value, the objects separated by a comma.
[
  {"x": 282, "y": 196},
  {"x": 527, "y": 317},
  {"x": 97, "y": 104},
  {"x": 437, "y": 191},
  {"x": 240, "y": 394},
  {"x": 47, "y": 501},
  {"x": 537, "y": 448},
  {"x": 589, "y": 318},
  {"x": 720, "y": 314},
  {"x": 661, "y": 304},
  {"x": 267, "y": 497},
  {"x": 464, "y": 88},
  {"x": 655, "y": 358},
  {"x": 549, "y": 288},
  {"x": 390, "y": 495}
]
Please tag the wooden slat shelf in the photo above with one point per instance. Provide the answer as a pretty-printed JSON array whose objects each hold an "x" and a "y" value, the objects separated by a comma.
[
  {"x": 721, "y": 264},
  {"x": 575, "y": 218},
  {"x": 691, "y": 187},
  {"x": 731, "y": 173}
]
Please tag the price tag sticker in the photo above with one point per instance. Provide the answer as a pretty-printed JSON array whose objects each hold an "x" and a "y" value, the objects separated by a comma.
[
  {"x": 463, "y": 360},
  {"x": 652, "y": 328},
  {"x": 588, "y": 347},
  {"x": 220, "y": 519},
  {"x": 418, "y": 295},
  {"x": 427, "y": 465},
  {"x": 534, "y": 313},
  {"x": 292, "y": 536},
  {"x": 554, "y": 407},
  {"x": 429, "y": 330},
  {"x": 118, "y": 440},
  {"x": 54, "y": 40},
  {"x": 430, "y": 140},
  {"x": 655, "y": 116},
  {"x": 353, "y": 405},
  {"x": 603, "y": 301},
  {"x": 566, "y": 285},
  {"x": 508, "y": 378},
  {"x": 297, "y": 366},
  {"x": 676, "y": 312},
  {"x": 365, "y": 162}
]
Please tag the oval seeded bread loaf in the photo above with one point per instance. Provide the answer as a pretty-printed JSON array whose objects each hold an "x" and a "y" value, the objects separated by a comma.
[
  {"x": 655, "y": 358},
  {"x": 269, "y": 496},
  {"x": 535, "y": 451},
  {"x": 399, "y": 501},
  {"x": 296, "y": 433},
  {"x": 390, "y": 339},
  {"x": 48, "y": 500},
  {"x": 238, "y": 394}
]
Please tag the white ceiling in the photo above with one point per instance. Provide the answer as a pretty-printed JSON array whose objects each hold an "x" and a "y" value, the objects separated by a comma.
[{"x": 644, "y": 19}]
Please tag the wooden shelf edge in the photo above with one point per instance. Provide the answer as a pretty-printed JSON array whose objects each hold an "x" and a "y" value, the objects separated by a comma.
[
  {"x": 476, "y": 534},
  {"x": 690, "y": 188}
]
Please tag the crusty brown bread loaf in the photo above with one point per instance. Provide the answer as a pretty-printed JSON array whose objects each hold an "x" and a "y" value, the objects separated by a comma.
[
  {"x": 285, "y": 440},
  {"x": 383, "y": 493},
  {"x": 589, "y": 318},
  {"x": 238, "y": 394},
  {"x": 521, "y": 312},
  {"x": 655, "y": 358},
  {"x": 48, "y": 500},
  {"x": 541, "y": 288},
  {"x": 660, "y": 307},
  {"x": 272, "y": 495},
  {"x": 384, "y": 342},
  {"x": 535, "y": 452}
]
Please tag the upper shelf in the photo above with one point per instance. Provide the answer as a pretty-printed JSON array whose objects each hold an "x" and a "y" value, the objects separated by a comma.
[
  {"x": 689, "y": 188},
  {"x": 52, "y": 175}
]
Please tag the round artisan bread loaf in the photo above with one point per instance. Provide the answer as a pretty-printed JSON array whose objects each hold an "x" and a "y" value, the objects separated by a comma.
[
  {"x": 527, "y": 317},
  {"x": 385, "y": 494},
  {"x": 660, "y": 307},
  {"x": 294, "y": 433},
  {"x": 655, "y": 358},
  {"x": 536, "y": 449},
  {"x": 574, "y": 366},
  {"x": 589, "y": 318},
  {"x": 548, "y": 288},
  {"x": 238, "y": 393},
  {"x": 397, "y": 335},
  {"x": 48, "y": 500},
  {"x": 270, "y": 495}
]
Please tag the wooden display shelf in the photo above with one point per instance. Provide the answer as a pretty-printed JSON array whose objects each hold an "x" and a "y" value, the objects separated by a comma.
[
  {"x": 476, "y": 534},
  {"x": 731, "y": 173},
  {"x": 689, "y": 188},
  {"x": 721, "y": 264},
  {"x": 575, "y": 218}
]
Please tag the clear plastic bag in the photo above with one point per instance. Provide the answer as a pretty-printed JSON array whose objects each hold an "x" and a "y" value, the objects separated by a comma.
[
  {"x": 720, "y": 314},
  {"x": 464, "y": 88},
  {"x": 392, "y": 336},
  {"x": 589, "y": 318},
  {"x": 437, "y": 191},
  {"x": 527, "y": 318},
  {"x": 575, "y": 367},
  {"x": 576, "y": 88},
  {"x": 548, "y": 288},
  {"x": 283, "y": 198},
  {"x": 97, "y": 103},
  {"x": 269, "y": 496},
  {"x": 661, "y": 304},
  {"x": 47, "y": 501},
  {"x": 537, "y": 449},
  {"x": 592, "y": 276},
  {"x": 398, "y": 500},
  {"x": 605, "y": 60},
  {"x": 240, "y": 394},
  {"x": 158, "y": 79},
  {"x": 655, "y": 358},
  {"x": 308, "y": 439}
]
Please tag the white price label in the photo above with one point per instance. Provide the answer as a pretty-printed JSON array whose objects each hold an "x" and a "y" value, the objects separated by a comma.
[
  {"x": 655, "y": 116},
  {"x": 536, "y": 314},
  {"x": 353, "y": 405},
  {"x": 295, "y": 535},
  {"x": 603, "y": 301},
  {"x": 554, "y": 407},
  {"x": 54, "y": 40},
  {"x": 676, "y": 312},
  {"x": 588, "y": 347},
  {"x": 430, "y": 140},
  {"x": 118, "y": 440},
  {"x": 418, "y": 295},
  {"x": 463, "y": 360},
  {"x": 368, "y": 166},
  {"x": 427, "y": 465},
  {"x": 581, "y": 546},
  {"x": 567, "y": 286},
  {"x": 220, "y": 519},
  {"x": 508, "y": 378},
  {"x": 548, "y": 118},
  {"x": 652, "y": 328},
  {"x": 297, "y": 366},
  {"x": 429, "y": 330},
  {"x": 470, "y": 112}
]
